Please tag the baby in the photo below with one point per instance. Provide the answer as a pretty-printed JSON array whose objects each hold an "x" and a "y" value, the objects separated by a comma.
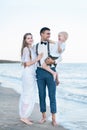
[{"x": 56, "y": 52}]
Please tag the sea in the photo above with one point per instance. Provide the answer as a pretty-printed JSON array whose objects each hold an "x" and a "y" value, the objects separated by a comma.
[{"x": 71, "y": 93}]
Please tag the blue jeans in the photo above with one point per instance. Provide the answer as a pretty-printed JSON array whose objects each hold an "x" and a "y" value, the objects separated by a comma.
[{"x": 44, "y": 78}]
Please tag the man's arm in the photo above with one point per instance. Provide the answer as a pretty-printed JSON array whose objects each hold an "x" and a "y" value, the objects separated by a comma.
[{"x": 52, "y": 42}]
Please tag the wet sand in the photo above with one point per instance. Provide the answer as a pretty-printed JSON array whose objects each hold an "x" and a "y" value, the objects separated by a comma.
[{"x": 9, "y": 117}]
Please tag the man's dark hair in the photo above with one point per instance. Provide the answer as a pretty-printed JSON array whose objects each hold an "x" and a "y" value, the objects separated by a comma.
[{"x": 44, "y": 29}]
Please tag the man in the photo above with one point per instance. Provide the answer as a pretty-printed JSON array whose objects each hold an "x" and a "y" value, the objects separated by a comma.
[{"x": 44, "y": 78}]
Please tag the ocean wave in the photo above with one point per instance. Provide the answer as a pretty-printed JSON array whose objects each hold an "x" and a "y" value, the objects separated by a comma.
[
  {"x": 16, "y": 77},
  {"x": 71, "y": 94},
  {"x": 76, "y": 98}
]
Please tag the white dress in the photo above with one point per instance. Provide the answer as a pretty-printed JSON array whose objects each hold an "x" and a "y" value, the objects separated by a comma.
[{"x": 29, "y": 86}]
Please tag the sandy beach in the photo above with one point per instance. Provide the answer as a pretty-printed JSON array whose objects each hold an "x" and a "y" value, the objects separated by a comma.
[{"x": 9, "y": 117}]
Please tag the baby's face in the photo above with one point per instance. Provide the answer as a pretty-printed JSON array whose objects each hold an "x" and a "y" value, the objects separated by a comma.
[{"x": 61, "y": 38}]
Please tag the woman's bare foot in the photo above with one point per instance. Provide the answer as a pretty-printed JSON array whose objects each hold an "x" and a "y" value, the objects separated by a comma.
[
  {"x": 26, "y": 121},
  {"x": 43, "y": 120}
]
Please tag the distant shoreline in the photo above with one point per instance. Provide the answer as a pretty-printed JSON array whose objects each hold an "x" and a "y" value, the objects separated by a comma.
[{"x": 9, "y": 61}]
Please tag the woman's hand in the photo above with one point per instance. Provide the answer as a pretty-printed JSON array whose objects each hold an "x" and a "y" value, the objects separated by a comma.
[{"x": 39, "y": 57}]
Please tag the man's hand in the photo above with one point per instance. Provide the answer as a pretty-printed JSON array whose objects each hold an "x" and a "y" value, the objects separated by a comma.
[{"x": 49, "y": 61}]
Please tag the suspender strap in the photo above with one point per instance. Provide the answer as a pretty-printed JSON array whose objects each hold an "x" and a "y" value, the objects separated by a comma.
[
  {"x": 48, "y": 48},
  {"x": 37, "y": 49}
]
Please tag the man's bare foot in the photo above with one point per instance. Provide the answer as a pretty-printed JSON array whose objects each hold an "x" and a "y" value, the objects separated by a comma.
[
  {"x": 54, "y": 123},
  {"x": 26, "y": 121},
  {"x": 43, "y": 120}
]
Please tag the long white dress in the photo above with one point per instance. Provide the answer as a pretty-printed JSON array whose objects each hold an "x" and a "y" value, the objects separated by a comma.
[{"x": 29, "y": 86}]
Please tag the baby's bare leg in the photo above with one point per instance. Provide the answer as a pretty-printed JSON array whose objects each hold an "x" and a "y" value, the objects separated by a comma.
[
  {"x": 46, "y": 67},
  {"x": 57, "y": 80}
]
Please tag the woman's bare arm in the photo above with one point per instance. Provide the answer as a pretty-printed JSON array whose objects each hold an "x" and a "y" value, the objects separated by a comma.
[{"x": 33, "y": 61}]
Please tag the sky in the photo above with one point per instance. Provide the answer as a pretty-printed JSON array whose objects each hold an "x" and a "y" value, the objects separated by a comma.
[{"x": 20, "y": 16}]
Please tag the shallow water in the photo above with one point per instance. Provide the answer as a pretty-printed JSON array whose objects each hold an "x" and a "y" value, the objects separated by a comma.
[{"x": 71, "y": 93}]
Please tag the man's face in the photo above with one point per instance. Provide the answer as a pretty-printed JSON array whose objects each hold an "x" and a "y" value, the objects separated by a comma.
[{"x": 45, "y": 35}]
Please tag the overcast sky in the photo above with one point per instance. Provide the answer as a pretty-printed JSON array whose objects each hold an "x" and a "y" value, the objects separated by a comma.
[{"x": 20, "y": 16}]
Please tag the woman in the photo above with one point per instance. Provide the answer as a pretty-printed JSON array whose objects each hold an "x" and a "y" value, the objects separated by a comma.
[{"x": 27, "y": 99}]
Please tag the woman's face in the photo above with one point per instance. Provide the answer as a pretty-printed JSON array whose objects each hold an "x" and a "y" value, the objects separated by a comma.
[{"x": 29, "y": 39}]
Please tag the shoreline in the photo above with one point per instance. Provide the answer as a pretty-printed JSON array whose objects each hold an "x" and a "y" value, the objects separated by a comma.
[
  {"x": 8, "y": 61},
  {"x": 9, "y": 100},
  {"x": 13, "y": 61}
]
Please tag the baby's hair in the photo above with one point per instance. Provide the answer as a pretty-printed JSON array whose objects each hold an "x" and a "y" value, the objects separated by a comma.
[{"x": 65, "y": 34}]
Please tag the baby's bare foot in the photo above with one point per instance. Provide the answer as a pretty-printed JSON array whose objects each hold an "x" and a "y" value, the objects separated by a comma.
[{"x": 57, "y": 82}]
